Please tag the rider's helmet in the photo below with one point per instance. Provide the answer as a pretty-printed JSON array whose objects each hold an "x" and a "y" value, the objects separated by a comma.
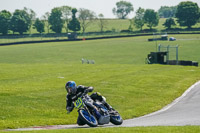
[{"x": 71, "y": 87}]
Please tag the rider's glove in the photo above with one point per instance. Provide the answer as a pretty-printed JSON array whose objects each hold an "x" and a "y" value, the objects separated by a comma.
[
  {"x": 86, "y": 91},
  {"x": 89, "y": 89},
  {"x": 69, "y": 109}
]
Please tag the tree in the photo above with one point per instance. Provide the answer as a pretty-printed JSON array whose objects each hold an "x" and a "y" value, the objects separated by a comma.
[
  {"x": 187, "y": 14},
  {"x": 102, "y": 22},
  {"x": 139, "y": 18},
  {"x": 55, "y": 20},
  {"x": 32, "y": 16},
  {"x": 74, "y": 24},
  {"x": 151, "y": 18},
  {"x": 20, "y": 21},
  {"x": 169, "y": 22},
  {"x": 45, "y": 17},
  {"x": 5, "y": 17},
  {"x": 66, "y": 13},
  {"x": 86, "y": 17},
  {"x": 167, "y": 12},
  {"x": 39, "y": 25},
  {"x": 131, "y": 23},
  {"x": 123, "y": 9}
]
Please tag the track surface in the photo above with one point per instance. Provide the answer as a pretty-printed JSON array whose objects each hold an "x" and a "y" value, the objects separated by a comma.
[{"x": 185, "y": 110}]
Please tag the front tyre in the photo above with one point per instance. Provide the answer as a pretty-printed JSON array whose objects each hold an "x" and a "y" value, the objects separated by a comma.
[
  {"x": 87, "y": 118},
  {"x": 80, "y": 122}
]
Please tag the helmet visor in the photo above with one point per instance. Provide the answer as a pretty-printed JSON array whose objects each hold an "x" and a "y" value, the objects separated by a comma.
[{"x": 69, "y": 90}]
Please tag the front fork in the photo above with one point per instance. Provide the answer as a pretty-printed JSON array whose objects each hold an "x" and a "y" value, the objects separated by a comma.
[{"x": 85, "y": 108}]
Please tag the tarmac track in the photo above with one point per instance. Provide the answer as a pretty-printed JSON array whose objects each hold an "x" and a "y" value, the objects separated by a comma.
[{"x": 183, "y": 111}]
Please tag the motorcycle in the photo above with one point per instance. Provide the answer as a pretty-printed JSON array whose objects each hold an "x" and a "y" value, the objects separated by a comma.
[{"x": 92, "y": 118}]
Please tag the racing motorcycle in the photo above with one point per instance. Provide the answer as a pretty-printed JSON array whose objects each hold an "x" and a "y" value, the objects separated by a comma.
[{"x": 93, "y": 118}]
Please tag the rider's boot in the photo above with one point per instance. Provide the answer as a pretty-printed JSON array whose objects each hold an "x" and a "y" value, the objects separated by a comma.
[
  {"x": 107, "y": 105},
  {"x": 96, "y": 112}
]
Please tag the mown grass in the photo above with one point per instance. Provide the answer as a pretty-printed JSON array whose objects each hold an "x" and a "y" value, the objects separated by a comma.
[
  {"x": 185, "y": 129},
  {"x": 33, "y": 77},
  {"x": 35, "y": 95},
  {"x": 132, "y": 50}
]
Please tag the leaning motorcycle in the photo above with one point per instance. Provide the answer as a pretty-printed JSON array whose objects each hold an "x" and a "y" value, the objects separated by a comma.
[{"x": 93, "y": 118}]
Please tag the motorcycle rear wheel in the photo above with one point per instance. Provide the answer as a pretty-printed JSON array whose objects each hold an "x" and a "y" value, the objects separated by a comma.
[{"x": 115, "y": 118}]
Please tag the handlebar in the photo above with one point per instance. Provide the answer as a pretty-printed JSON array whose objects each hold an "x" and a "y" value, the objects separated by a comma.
[{"x": 83, "y": 94}]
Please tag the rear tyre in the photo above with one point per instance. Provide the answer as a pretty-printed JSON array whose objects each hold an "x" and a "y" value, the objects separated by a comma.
[
  {"x": 87, "y": 118},
  {"x": 116, "y": 119}
]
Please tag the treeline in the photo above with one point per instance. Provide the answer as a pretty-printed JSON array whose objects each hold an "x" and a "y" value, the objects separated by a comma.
[{"x": 21, "y": 21}]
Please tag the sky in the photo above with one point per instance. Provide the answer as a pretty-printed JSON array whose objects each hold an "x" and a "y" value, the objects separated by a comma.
[{"x": 40, "y": 7}]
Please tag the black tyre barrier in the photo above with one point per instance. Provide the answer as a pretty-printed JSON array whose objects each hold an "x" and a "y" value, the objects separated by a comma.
[
  {"x": 182, "y": 62},
  {"x": 94, "y": 38}
]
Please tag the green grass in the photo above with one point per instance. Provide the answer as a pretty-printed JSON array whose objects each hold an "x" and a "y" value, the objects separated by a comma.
[
  {"x": 33, "y": 77},
  {"x": 35, "y": 95},
  {"x": 132, "y": 50},
  {"x": 21, "y": 39},
  {"x": 186, "y": 129},
  {"x": 111, "y": 51}
]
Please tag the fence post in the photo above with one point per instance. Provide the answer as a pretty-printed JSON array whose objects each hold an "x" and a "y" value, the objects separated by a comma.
[{"x": 176, "y": 54}]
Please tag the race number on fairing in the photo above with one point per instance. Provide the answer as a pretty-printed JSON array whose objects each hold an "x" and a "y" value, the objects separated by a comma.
[{"x": 78, "y": 103}]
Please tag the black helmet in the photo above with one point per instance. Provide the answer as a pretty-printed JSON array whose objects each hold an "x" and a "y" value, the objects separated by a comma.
[{"x": 71, "y": 87}]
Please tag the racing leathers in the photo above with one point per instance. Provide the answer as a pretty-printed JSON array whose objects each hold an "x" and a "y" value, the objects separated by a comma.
[
  {"x": 70, "y": 98},
  {"x": 80, "y": 90},
  {"x": 73, "y": 97}
]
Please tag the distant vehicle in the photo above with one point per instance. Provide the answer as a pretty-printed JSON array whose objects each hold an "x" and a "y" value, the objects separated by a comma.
[
  {"x": 72, "y": 36},
  {"x": 164, "y": 37},
  {"x": 172, "y": 39}
]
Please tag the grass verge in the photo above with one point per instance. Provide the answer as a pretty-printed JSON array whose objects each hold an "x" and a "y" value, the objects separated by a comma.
[
  {"x": 159, "y": 129},
  {"x": 35, "y": 95},
  {"x": 33, "y": 77}
]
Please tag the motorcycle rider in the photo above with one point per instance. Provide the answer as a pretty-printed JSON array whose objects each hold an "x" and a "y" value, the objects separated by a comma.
[{"x": 74, "y": 92}]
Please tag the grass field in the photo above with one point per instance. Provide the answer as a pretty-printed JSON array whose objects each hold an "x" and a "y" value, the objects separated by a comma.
[
  {"x": 180, "y": 129},
  {"x": 33, "y": 77}
]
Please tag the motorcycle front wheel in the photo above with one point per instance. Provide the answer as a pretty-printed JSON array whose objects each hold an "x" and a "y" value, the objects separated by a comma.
[{"x": 87, "y": 118}]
